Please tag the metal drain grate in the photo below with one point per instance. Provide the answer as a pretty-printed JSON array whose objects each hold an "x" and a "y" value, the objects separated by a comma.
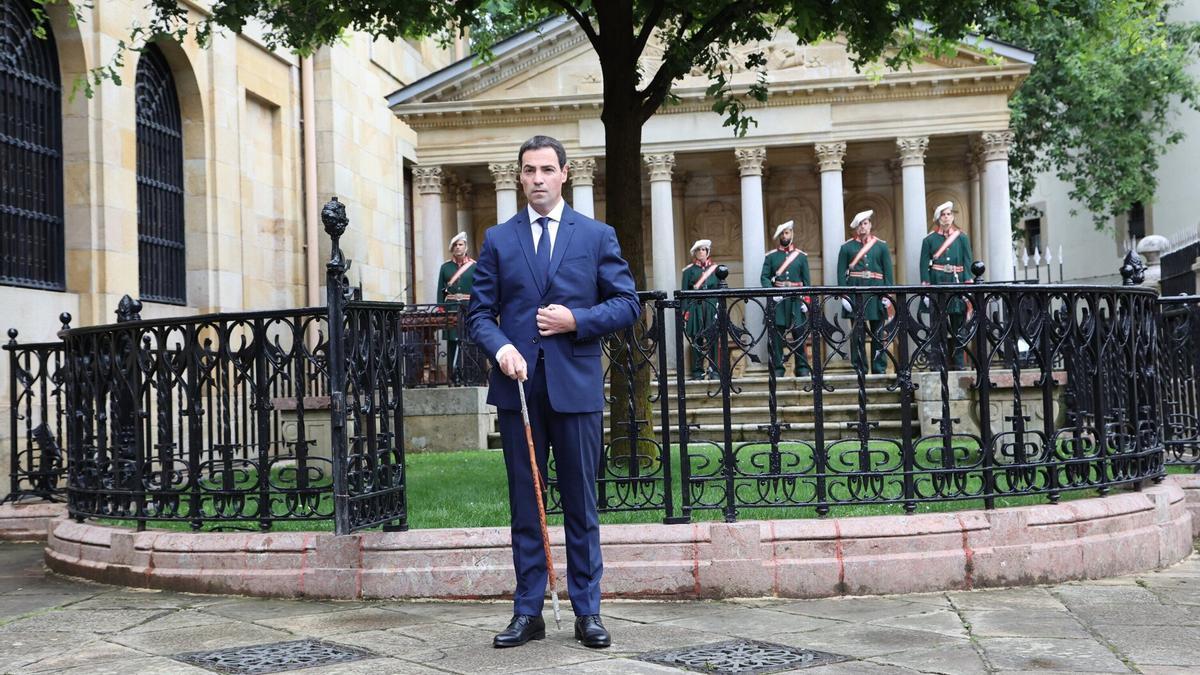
[
  {"x": 749, "y": 657},
  {"x": 276, "y": 657}
]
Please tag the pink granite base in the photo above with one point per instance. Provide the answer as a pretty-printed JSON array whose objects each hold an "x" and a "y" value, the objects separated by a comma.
[
  {"x": 1084, "y": 539},
  {"x": 29, "y": 521}
]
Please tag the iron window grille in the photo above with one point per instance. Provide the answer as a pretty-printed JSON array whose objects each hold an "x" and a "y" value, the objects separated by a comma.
[
  {"x": 31, "y": 168},
  {"x": 161, "y": 262}
]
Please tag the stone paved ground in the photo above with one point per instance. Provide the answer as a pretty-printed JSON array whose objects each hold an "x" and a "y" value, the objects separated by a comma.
[{"x": 1148, "y": 623}]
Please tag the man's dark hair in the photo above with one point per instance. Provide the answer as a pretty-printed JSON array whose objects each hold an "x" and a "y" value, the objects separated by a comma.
[{"x": 539, "y": 142}]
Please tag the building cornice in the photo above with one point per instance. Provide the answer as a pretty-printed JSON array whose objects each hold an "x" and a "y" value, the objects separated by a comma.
[{"x": 892, "y": 87}]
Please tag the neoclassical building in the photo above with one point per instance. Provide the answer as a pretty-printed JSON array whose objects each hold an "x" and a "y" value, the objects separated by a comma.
[{"x": 828, "y": 143}]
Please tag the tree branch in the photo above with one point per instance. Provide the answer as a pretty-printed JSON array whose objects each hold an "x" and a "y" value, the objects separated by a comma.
[
  {"x": 656, "y": 90},
  {"x": 583, "y": 21},
  {"x": 648, "y": 27}
]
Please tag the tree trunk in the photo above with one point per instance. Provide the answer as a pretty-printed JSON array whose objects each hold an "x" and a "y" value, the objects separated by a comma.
[{"x": 631, "y": 412}]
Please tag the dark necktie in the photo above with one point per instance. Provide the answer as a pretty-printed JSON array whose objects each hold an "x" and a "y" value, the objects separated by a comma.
[{"x": 543, "y": 250}]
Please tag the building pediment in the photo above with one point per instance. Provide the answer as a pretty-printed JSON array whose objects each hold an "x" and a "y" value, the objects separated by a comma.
[{"x": 555, "y": 61}]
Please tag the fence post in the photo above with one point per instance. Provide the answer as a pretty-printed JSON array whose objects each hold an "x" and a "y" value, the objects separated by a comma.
[
  {"x": 333, "y": 216},
  {"x": 13, "y": 412}
]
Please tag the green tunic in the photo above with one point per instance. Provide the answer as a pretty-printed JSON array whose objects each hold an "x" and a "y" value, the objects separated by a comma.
[
  {"x": 878, "y": 260},
  {"x": 699, "y": 314},
  {"x": 957, "y": 254},
  {"x": 462, "y": 285},
  {"x": 700, "y": 318},
  {"x": 788, "y": 313}
]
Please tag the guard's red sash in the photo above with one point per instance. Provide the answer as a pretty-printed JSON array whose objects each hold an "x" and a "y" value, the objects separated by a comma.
[
  {"x": 946, "y": 244},
  {"x": 712, "y": 267},
  {"x": 788, "y": 261},
  {"x": 863, "y": 252},
  {"x": 461, "y": 268}
]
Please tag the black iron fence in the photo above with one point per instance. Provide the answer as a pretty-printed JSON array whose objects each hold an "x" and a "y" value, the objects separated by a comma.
[
  {"x": 36, "y": 419},
  {"x": 1180, "y": 377},
  {"x": 810, "y": 398}
]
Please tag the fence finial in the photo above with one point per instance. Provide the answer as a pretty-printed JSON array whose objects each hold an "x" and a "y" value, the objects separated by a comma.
[
  {"x": 12, "y": 336},
  {"x": 65, "y": 320},
  {"x": 1133, "y": 269},
  {"x": 722, "y": 274},
  {"x": 977, "y": 270},
  {"x": 129, "y": 309}
]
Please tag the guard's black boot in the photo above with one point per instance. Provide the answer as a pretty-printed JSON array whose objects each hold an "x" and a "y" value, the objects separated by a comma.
[
  {"x": 590, "y": 632},
  {"x": 522, "y": 629}
]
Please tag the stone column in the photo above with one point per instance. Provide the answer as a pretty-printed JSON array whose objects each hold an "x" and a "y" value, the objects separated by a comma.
[
  {"x": 750, "y": 164},
  {"x": 505, "y": 175},
  {"x": 662, "y": 231},
  {"x": 978, "y": 199},
  {"x": 449, "y": 208},
  {"x": 897, "y": 173},
  {"x": 912, "y": 168},
  {"x": 463, "y": 213},
  {"x": 998, "y": 217},
  {"x": 833, "y": 207},
  {"x": 428, "y": 181},
  {"x": 583, "y": 176},
  {"x": 682, "y": 243}
]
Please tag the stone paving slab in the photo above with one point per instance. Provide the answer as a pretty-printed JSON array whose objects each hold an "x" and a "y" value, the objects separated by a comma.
[{"x": 1147, "y": 623}]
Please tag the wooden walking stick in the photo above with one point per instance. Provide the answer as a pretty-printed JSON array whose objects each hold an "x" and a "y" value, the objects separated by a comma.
[{"x": 537, "y": 493}]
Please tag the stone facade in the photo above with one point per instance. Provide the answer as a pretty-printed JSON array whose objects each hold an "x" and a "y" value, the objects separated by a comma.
[
  {"x": 911, "y": 133},
  {"x": 243, "y": 152}
]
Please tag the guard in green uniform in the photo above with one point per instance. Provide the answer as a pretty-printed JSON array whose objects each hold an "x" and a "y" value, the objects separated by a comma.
[
  {"x": 455, "y": 280},
  {"x": 700, "y": 316},
  {"x": 946, "y": 259},
  {"x": 865, "y": 261},
  {"x": 787, "y": 267}
]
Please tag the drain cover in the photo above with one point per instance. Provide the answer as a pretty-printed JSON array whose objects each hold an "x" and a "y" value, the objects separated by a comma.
[
  {"x": 276, "y": 657},
  {"x": 741, "y": 656}
]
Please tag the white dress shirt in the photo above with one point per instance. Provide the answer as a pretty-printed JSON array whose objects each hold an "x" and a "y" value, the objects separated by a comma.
[{"x": 555, "y": 217}]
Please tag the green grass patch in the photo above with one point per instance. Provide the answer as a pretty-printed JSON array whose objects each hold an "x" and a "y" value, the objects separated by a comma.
[{"x": 469, "y": 489}]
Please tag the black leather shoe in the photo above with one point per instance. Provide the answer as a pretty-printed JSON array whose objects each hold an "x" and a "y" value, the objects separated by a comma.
[
  {"x": 591, "y": 632},
  {"x": 521, "y": 629}
]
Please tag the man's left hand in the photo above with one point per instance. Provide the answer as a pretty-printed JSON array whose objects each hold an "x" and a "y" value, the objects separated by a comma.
[{"x": 555, "y": 319}]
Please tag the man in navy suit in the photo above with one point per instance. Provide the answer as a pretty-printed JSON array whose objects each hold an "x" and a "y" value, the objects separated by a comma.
[{"x": 549, "y": 284}]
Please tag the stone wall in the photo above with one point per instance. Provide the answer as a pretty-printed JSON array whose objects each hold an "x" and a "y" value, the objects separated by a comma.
[{"x": 242, "y": 146}]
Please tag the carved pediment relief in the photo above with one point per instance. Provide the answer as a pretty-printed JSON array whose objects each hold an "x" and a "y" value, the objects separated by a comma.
[{"x": 564, "y": 64}]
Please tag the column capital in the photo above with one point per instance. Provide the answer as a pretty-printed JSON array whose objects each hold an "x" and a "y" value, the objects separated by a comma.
[
  {"x": 428, "y": 179},
  {"x": 505, "y": 175},
  {"x": 463, "y": 192},
  {"x": 660, "y": 165},
  {"x": 582, "y": 171},
  {"x": 912, "y": 150},
  {"x": 996, "y": 144},
  {"x": 751, "y": 160},
  {"x": 896, "y": 169},
  {"x": 830, "y": 155}
]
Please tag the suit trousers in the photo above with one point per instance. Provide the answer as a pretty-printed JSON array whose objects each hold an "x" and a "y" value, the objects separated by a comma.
[{"x": 577, "y": 445}]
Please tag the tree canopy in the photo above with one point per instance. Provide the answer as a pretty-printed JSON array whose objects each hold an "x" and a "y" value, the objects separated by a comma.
[{"x": 1096, "y": 110}]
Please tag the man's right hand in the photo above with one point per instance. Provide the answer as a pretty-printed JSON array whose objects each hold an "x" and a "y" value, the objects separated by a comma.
[{"x": 513, "y": 365}]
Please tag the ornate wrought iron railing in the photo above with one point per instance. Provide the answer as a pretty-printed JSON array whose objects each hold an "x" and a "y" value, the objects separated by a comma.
[
  {"x": 1180, "y": 378},
  {"x": 437, "y": 350},
  {"x": 36, "y": 419},
  {"x": 904, "y": 396},
  {"x": 212, "y": 419},
  {"x": 996, "y": 390}
]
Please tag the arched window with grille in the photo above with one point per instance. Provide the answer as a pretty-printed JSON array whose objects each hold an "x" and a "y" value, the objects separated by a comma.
[
  {"x": 162, "y": 272},
  {"x": 31, "y": 164}
]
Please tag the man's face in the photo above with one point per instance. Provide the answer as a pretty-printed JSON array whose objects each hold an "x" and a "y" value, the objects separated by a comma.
[
  {"x": 864, "y": 227},
  {"x": 458, "y": 249},
  {"x": 542, "y": 178},
  {"x": 946, "y": 218},
  {"x": 702, "y": 254},
  {"x": 785, "y": 238}
]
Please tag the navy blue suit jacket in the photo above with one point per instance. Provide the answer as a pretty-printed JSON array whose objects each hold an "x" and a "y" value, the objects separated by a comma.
[{"x": 587, "y": 275}]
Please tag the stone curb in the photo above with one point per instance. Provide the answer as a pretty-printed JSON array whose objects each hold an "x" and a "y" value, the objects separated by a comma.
[
  {"x": 1084, "y": 539},
  {"x": 29, "y": 521}
]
